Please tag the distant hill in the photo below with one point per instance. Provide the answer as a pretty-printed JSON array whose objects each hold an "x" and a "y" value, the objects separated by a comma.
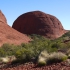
[{"x": 38, "y": 22}]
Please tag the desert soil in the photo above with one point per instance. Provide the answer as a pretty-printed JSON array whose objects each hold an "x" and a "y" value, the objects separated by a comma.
[{"x": 31, "y": 66}]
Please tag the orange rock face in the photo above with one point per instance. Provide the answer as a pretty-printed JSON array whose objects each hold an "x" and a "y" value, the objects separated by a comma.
[
  {"x": 2, "y": 18},
  {"x": 37, "y": 22},
  {"x": 10, "y": 35}
]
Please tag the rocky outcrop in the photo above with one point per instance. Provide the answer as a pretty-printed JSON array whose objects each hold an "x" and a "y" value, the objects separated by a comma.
[
  {"x": 2, "y": 18},
  {"x": 37, "y": 22},
  {"x": 10, "y": 35}
]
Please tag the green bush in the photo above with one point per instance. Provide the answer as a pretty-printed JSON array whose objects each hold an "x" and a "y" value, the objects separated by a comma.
[{"x": 7, "y": 50}]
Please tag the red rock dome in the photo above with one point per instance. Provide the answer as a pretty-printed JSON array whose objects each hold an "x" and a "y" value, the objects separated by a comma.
[{"x": 37, "y": 22}]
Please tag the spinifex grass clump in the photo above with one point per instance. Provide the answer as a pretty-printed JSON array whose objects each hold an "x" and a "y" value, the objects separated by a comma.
[
  {"x": 7, "y": 59},
  {"x": 68, "y": 53},
  {"x": 56, "y": 57},
  {"x": 49, "y": 58},
  {"x": 42, "y": 58}
]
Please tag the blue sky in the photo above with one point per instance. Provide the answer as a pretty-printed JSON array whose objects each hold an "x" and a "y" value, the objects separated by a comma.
[{"x": 59, "y": 8}]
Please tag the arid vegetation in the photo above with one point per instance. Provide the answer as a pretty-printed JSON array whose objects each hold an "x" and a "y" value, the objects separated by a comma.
[{"x": 40, "y": 50}]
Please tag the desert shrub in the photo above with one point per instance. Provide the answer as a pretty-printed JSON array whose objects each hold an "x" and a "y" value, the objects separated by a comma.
[
  {"x": 51, "y": 47},
  {"x": 56, "y": 57},
  {"x": 63, "y": 47},
  {"x": 55, "y": 45},
  {"x": 4, "y": 59},
  {"x": 8, "y": 50},
  {"x": 49, "y": 58},
  {"x": 68, "y": 53},
  {"x": 23, "y": 45},
  {"x": 4, "y": 50},
  {"x": 53, "y": 57},
  {"x": 24, "y": 53},
  {"x": 38, "y": 44},
  {"x": 7, "y": 59},
  {"x": 42, "y": 63},
  {"x": 2, "y": 53},
  {"x": 42, "y": 58},
  {"x": 19, "y": 54},
  {"x": 28, "y": 50}
]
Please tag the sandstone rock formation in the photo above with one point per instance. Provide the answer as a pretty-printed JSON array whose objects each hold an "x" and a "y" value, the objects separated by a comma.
[
  {"x": 2, "y": 18},
  {"x": 10, "y": 35},
  {"x": 37, "y": 22}
]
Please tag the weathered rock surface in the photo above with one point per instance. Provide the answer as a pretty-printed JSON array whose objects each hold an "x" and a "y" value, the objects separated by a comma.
[
  {"x": 2, "y": 18},
  {"x": 10, "y": 35},
  {"x": 37, "y": 22}
]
